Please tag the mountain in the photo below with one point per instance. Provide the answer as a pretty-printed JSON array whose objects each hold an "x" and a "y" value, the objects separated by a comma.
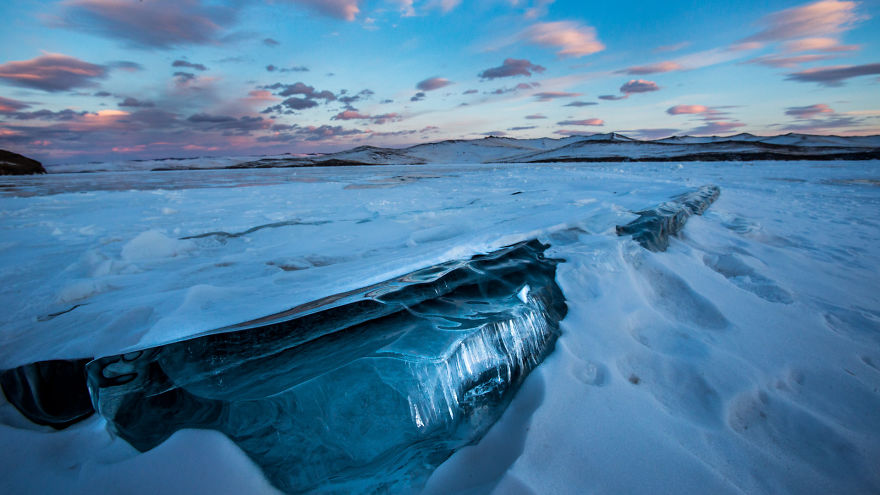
[{"x": 608, "y": 147}]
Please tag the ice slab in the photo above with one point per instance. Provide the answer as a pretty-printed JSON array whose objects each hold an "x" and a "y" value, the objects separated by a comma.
[
  {"x": 364, "y": 391},
  {"x": 654, "y": 226}
]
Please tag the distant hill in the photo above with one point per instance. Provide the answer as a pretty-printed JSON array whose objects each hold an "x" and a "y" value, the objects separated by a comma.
[
  {"x": 15, "y": 164},
  {"x": 609, "y": 147}
]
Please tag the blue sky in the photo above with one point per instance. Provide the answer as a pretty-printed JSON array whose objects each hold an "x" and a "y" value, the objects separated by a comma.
[{"x": 85, "y": 80}]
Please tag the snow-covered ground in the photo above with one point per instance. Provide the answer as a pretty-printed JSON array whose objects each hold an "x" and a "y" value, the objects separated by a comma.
[{"x": 746, "y": 358}]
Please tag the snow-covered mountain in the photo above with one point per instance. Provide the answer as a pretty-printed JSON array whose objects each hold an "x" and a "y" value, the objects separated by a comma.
[{"x": 593, "y": 148}]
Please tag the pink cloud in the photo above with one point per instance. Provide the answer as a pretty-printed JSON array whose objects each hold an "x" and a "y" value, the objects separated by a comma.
[
  {"x": 711, "y": 117},
  {"x": 814, "y": 19},
  {"x": 8, "y": 105},
  {"x": 153, "y": 23},
  {"x": 572, "y": 38},
  {"x": 667, "y": 66},
  {"x": 341, "y": 9},
  {"x": 585, "y": 122},
  {"x": 817, "y": 44},
  {"x": 375, "y": 119},
  {"x": 687, "y": 109},
  {"x": 808, "y": 112},
  {"x": 52, "y": 72},
  {"x": 793, "y": 61}
]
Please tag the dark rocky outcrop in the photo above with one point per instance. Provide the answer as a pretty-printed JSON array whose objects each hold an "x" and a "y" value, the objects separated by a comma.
[{"x": 15, "y": 164}]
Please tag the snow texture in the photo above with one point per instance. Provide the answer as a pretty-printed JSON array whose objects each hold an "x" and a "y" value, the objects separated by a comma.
[{"x": 743, "y": 359}]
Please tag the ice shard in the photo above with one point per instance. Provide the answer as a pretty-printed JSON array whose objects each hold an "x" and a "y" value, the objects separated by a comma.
[
  {"x": 367, "y": 391},
  {"x": 50, "y": 393},
  {"x": 654, "y": 226}
]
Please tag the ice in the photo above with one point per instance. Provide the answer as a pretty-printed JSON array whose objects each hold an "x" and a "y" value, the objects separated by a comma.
[
  {"x": 654, "y": 226},
  {"x": 363, "y": 396},
  {"x": 743, "y": 359}
]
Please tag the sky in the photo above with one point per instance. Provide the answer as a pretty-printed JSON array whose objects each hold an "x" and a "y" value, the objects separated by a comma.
[{"x": 103, "y": 80}]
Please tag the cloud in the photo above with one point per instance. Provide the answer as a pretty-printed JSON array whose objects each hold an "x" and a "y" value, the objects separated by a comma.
[
  {"x": 8, "y": 105},
  {"x": 653, "y": 133},
  {"x": 295, "y": 103},
  {"x": 778, "y": 61},
  {"x": 522, "y": 128},
  {"x": 639, "y": 70},
  {"x": 572, "y": 38},
  {"x": 375, "y": 119},
  {"x": 340, "y": 9},
  {"x": 300, "y": 88},
  {"x": 271, "y": 42},
  {"x": 135, "y": 103},
  {"x": 552, "y": 95},
  {"x": 418, "y": 96},
  {"x": 711, "y": 117},
  {"x": 825, "y": 125},
  {"x": 309, "y": 133},
  {"x": 638, "y": 86},
  {"x": 834, "y": 76},
  {"x": 539, "y": 8},
  {"x": 687, "y": 109},
  {"x": 470, "y": 92},
  {"x": 148, "y": 24},
  {"x": 59, "y": 116},
  {"x": 612, "y": 97},
  {"x": 184, "y": 63},
  {"x": 493, "y": 133},
  {"x": 536, "y": 116},
  {"x": 52, "y": 72},
  {"x": 573, "y": 132},
  {"x": 817, "y": 44},
  {"x": 183, "y": 78},
  {"x": 405, "y": 7},
  {"x": 706, "y": 113},
  {"x": 260, "y": 96},
  {"x": 809, "y": 111},
  {"x": 298, "y": 68},
  {"x": 672, "y": 48},
  {"x": 125, "y": 65},
  {"x": 433, "y": 83},
  {"x": 716, "y": 127},
  {"x": 348, "y": 99},
  {"x": 580, "y": 104},
  {"x": 815, "y": 19},
  {"x": 518, "y": 87},
  {"x": 511, "y": 67},
  {"x": 229, "y": 125},
  {"x": 584, "y": 122}
]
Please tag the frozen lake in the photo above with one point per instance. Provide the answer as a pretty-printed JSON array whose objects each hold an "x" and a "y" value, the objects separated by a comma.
[{"x": 746, "y": 358}]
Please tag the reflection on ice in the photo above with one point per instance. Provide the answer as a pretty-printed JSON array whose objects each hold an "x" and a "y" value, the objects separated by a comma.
[{"x": 365, "y": 391}]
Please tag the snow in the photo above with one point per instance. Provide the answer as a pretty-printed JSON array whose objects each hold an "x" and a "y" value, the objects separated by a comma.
[{"x": 745, "y": 358}]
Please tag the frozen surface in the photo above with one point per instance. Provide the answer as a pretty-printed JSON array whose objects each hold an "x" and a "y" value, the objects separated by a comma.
[
  {"x": 745, "y": 358},
  {"x": 363, "y": 393}
]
